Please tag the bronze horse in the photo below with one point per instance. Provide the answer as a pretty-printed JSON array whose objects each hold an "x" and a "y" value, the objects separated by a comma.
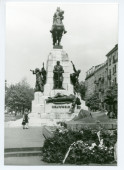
[{"x": 57, "y": 34}]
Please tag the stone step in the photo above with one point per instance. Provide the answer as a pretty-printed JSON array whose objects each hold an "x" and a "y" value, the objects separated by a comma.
[
  {"x": 22, "y": 152},
  {"x": 22, "y": 149}
]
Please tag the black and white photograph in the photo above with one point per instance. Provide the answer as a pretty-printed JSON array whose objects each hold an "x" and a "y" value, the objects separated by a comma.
[{"x": 61, "y": 84}]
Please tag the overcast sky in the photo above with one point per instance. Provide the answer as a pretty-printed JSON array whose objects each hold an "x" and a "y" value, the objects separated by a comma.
[{"x": 92, "y": 33}]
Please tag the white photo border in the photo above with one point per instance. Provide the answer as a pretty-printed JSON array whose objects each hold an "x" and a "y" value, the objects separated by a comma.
[{"x": 120, "y": 82}]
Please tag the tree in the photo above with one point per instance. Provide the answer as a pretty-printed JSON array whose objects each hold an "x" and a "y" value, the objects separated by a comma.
[
  {"x": 19, "y": 96},
  {"x": 93, "y": 102},
  {"x": 111, "y": 98},
  {"x": 82, "y": 89}
]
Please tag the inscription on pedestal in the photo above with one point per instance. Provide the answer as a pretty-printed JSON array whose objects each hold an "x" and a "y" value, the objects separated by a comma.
[{"x": 59, "y": 107}]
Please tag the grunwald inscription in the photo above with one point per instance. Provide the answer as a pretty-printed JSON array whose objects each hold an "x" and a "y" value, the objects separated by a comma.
[{"x": 60, "y": 107}]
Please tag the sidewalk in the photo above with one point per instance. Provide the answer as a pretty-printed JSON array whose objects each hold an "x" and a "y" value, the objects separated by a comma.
[
  {"x": 22, "y": 161},
  {"x": 16, "y": 137},
  {"x": 36, "y": 161}
]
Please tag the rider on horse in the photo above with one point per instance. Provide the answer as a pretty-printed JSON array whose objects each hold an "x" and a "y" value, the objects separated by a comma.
[
  {"x": 57, "y": 28},
  {"x": 57, "y": 20}
]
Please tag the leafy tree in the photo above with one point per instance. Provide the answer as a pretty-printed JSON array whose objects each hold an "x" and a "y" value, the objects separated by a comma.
[
  {"x": 19, "y": 96},
  {"x": 82, "y": 89},
  {"x": 110, "y": 98},
  {"x": 93, "y": 102}
]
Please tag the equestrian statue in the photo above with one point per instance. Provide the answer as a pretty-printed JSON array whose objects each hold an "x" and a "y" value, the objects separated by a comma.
[{"x": 58, "y": 28}]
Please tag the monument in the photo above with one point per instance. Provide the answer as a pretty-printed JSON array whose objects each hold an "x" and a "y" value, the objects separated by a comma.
[{"x": 55, "y": 94}]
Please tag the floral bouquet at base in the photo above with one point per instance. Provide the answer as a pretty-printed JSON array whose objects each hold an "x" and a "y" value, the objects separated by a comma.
[{"x": 83, "y": 153}]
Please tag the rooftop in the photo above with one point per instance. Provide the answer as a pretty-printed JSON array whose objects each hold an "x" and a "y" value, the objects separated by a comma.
[
  {"x": 114, "y": 49},
  {"x": 96, "y": 68}
]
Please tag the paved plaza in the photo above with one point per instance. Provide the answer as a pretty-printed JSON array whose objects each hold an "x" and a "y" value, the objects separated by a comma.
[
  {"x": 15, "y": 137},
  {"x": 32, "y": 160},
  {"x": 20, "y": 138}
]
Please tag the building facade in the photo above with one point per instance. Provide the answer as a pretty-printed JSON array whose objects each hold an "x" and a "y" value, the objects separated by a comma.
[
  {"x": 112, "y": 60},
  {"x": 89, "y": 82},
  {"x": 101, "y": 82},
  {"x": 96, "y": 80},
  {"x": 99, "y": 77}
]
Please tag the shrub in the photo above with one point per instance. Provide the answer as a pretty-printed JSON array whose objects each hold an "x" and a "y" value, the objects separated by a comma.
[{"x": 85, "y": 147}]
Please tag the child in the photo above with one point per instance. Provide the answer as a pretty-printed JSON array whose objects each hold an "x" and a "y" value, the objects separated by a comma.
[
  {"x": 25, "y": 119},
  {"x": 23, "y": 123}
]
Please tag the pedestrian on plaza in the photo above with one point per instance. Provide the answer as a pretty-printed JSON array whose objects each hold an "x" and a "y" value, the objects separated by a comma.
[{"x": 25, "y": 119}]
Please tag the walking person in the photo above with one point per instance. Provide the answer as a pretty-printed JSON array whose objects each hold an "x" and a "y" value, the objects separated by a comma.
[{"x": 25, "y": 119}]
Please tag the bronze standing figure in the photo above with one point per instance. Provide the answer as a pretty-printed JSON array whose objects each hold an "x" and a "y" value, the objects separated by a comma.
[
  {"x": 58, "y": 77},
  {"x": 43, "y": 72},
  {"x": 74, "y": 78},
  {"x": 39, "y": 85}
]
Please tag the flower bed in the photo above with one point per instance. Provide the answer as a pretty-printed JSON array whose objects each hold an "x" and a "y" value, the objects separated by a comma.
[{"x": 82, "y": 147}]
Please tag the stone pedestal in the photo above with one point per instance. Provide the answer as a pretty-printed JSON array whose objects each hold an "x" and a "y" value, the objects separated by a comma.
[
  {"x": 39, "y": 105},
  {"x": 54, "y": 56}
]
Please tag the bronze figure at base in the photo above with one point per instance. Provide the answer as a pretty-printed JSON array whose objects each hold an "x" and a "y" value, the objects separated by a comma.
[
  {"x": 74, "y": 78},
  {"x": 60, "y": 98},
  {"x": 40, "y": 78}
]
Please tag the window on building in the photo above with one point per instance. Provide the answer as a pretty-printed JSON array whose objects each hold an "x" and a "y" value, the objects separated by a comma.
[
  {"x": 110, "y": 72},
  {"x": 114, "y": 58},
  {"x": 110, "y": 82},
  {"x": 109, "y": 61},
  {"x": 115, "y": 80},
  {"x": 115, "y": 68}
]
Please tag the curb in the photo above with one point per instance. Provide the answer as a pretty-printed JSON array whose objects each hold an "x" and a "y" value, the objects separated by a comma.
[{"x": 22, "y": 152}]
